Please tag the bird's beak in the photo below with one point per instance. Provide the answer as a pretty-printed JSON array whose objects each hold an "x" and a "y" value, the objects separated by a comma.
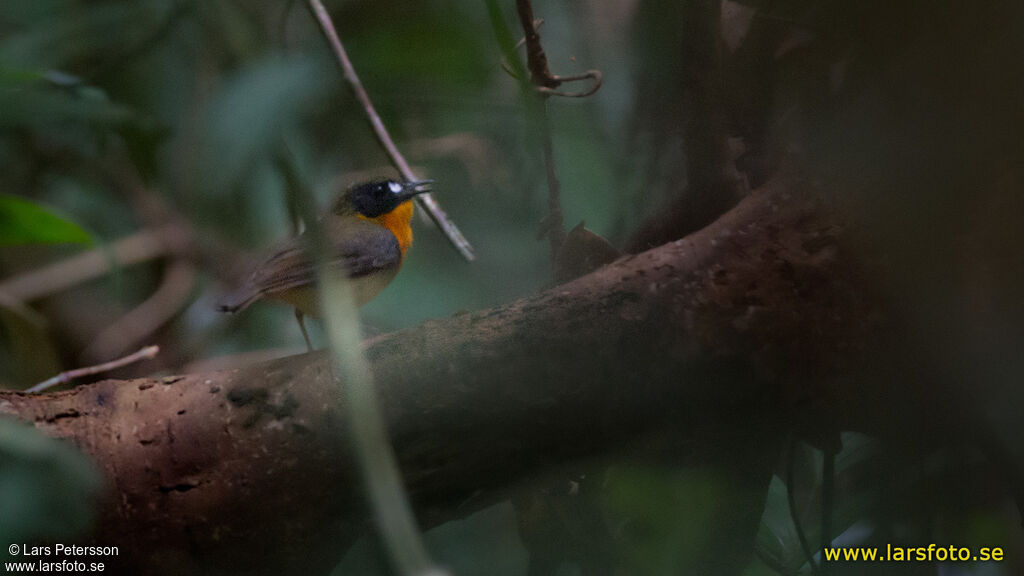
[{"x": 410, "y": 189}]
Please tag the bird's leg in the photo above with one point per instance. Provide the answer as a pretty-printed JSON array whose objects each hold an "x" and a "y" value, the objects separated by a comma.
[{"x": 302, "y": 326}]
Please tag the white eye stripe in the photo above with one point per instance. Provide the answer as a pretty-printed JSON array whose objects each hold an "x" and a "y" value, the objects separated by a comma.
[{"x": 395, "y": 187}]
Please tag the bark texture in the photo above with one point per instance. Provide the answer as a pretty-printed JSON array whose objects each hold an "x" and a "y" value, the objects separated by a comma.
[{"x": 248, "y": 471}]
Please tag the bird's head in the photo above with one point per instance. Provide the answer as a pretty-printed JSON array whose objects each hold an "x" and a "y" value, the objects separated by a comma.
[{"x": 377, "y": 198}]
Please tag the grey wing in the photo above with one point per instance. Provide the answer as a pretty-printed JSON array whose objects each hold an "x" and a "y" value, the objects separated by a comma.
[{"x": 359, "y": 248}]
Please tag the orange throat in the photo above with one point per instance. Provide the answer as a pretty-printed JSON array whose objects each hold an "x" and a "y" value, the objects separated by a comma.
[{"x": 397, "y": 221}]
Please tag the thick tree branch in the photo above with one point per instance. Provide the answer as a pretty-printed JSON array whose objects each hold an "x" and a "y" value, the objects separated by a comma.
[{"x": 248, "y": 471}]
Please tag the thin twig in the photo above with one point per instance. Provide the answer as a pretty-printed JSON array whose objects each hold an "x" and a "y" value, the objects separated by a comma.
[
  {"x": 536, "y": 59},
  {"x": 426, "y": 201},
  {"x": 545, "y": 82},
  {"x": 537, "y": 23},
  {"x": 537, "y": 63},
  {"x": 594, "y": 75},
  {"x": 65, "y": 377}
]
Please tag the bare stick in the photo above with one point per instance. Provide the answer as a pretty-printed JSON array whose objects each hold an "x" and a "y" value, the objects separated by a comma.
[
  {"x": 554, "y": 223},
  {"x": 426, "y": 201},
  {"x": 57, "y": 277},
  {"x": 65, "y": 377},
  {"x": 547, "y": 82},
  {"x": 536, "y": 59},
  {"x": 18, "y": 308},
  {"x": 537, "y": 62},
  {"x": 146, "y": 318}
]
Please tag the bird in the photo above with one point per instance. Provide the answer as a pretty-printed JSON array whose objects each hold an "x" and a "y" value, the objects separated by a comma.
[{"x": 368, "y": 232}]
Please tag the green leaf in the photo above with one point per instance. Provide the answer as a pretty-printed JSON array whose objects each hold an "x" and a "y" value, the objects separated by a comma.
[
  {"x": 666, "y": 516},
  {"x": 249, "y": 115},
  {"x": 47, "y": 488},
  {"x": 777, "y": 541},
  {"x": 24, "y": 222},
  {"x": 36, "y": 100},
  {"x": 67, "y": 36}
]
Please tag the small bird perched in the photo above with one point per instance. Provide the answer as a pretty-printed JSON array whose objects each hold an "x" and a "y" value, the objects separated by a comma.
[{"x": 368, "y": 233}]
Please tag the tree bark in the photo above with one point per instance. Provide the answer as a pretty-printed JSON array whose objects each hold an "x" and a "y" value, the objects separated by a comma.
[{"x": 732, "y": 328}]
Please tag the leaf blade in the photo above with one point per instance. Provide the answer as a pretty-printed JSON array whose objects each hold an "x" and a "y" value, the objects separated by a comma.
[{"x": 25, "y": 222}]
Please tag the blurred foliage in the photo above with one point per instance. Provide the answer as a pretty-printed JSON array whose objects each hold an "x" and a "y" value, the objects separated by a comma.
[
  {"x": 911, "y": 110},
  {"x": 47, "y": 488},
  {"x": 666, "y": 516}
]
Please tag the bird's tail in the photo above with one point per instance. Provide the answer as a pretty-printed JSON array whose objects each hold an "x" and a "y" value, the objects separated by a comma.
[{"x": 238, "y": 301}]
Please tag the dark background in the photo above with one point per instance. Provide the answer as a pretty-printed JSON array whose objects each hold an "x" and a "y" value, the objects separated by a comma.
[{"x": 126, "y": 116}]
